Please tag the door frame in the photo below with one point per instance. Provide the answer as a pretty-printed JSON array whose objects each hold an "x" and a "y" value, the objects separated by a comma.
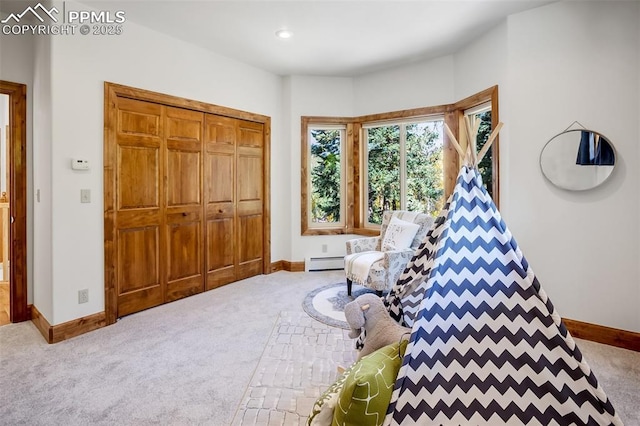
[
  {"x": 112, "y": 91},
  {"x": 19, "y": 309}
]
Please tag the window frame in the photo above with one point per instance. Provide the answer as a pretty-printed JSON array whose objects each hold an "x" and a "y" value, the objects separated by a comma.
[
  {"x": 487, "y": 96},
  {"x": 355, "y": 153},
  {"x": 346, "y": 219}
]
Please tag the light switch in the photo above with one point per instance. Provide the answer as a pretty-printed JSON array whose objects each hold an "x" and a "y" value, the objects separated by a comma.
[{"x": 85, "y": 195}]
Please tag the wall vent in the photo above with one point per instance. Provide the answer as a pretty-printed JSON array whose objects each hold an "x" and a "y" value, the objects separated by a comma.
[{"x": 328, "y": 263}]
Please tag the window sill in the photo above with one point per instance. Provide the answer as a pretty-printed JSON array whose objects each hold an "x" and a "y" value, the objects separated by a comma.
[
  {"x": 367, "y": 232},
  {"x": 323, "y": 231}
]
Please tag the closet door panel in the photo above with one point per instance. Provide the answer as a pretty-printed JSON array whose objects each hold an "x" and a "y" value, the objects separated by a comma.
[
  {"x": 220, "y": 254},
  {"x": 139, "y": 272},
  {"x": 138, "y": 118},
  {"x": 183, "y": 184},
  {"x": 139, "y": 206},
  {"x": 184, "y": 207},
  {"x": 251, "y": 134},
  {"x": 220, "y": 202},
  {"x": 249, "y": 176},
  {"x": 220, "y": 172},
  {"x": 139, "y": 170},
  {"x": 184, "y": 268},
  {"x": 249, "y": 180},
  {"x": 250, "y": 246}
]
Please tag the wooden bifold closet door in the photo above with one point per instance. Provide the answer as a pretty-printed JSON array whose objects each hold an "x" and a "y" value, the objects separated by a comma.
[
  {"x": 234, "y": 206},
  {"x": 188, "y": 202}
]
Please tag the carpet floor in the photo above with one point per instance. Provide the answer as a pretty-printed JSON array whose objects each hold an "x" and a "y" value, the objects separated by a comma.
[{"x": 209, "y": 360}]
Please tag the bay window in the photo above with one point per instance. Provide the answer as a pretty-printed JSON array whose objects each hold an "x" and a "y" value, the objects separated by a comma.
[{"x": 355, "y": 168}]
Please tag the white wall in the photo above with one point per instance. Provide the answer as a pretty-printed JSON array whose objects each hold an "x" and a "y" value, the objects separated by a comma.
[
  {"x": 577, "y": 61},
  {"x": 482, "y": 63},
  {"x": 312, "y": 96},
  {"x": 426, "y": 83},
  {"x": 478, "y": 66},
  {"x": 281, "y": 176},
  {"x": 42, "y": 179},
  {"x": 145, "y": 59},
  {"x": 17, "y": 66}
]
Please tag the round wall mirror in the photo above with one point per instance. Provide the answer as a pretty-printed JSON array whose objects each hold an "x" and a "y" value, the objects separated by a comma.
[{"x": 577, "y": 159}]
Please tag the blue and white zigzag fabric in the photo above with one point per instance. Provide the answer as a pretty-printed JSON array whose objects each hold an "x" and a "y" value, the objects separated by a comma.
[
  {"x": 403, "y": 300},
  {"x": 487, "y": 346}
]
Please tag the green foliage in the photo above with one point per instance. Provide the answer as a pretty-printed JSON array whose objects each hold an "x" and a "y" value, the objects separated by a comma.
[
  {"x": 485, "y": 167},
  {"x": 383, "y": 171},
  {"x": 424, "y": 172},
  {"x": 325, "y": 176}
]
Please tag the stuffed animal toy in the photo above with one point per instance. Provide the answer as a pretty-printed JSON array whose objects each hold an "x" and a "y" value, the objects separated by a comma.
[{"x": 369, "y": 313}]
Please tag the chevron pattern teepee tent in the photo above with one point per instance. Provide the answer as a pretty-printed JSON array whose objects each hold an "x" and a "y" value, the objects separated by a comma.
[
  {"x": 403, "y": 300},
  {"x": 487, "y": 346}
]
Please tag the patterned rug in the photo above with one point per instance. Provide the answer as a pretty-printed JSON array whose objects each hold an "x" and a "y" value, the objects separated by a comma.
[{"x": 326, "y": 304}]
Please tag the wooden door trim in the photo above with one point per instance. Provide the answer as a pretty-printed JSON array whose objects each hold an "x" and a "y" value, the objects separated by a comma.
[
  {"x": 266, "y": 198},
  {"x": 114, "y": 91},
  {"x": 176, "y": 101},
  {"x": 17, "y": 198}
]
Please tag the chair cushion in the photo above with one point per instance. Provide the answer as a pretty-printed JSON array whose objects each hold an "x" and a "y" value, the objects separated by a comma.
[{"x": 399, "y": 234}]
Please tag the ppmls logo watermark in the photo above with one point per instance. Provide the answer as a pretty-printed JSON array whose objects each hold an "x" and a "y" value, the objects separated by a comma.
[{"x": 69, "y": 22}]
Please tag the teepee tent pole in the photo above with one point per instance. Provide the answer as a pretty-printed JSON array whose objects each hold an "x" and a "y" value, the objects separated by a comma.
[{"x": 472, "y": 136}]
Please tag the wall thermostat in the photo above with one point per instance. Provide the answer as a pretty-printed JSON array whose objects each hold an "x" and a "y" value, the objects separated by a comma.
[{"x": 79, "y": 164}]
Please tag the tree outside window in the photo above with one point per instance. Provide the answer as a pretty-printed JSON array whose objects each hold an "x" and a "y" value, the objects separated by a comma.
[
  {"x": 485, "y": 167},
  {"x": 326, "y": 175},
  {"x": 404, "y": 168},
  {"x": 425, "y": 168},
  {"x": 383, "y": 171}
]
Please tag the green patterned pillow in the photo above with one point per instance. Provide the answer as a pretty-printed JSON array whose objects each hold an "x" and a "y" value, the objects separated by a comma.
[
  {"x": 322, "y": 411},
  {"x": 366, "y": 393}
]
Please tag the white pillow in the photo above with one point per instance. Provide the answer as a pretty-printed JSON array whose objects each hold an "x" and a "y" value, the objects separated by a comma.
[{"x": 399, "y": 234}]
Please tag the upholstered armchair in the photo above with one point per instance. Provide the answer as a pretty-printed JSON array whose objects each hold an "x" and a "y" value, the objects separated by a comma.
[{"x": 377, "y": 262}]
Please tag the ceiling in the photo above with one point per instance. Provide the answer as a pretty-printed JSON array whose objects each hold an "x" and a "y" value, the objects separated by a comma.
[{"x": 331, "y": 38}]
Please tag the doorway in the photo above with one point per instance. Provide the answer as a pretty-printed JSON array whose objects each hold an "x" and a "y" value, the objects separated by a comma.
[{"x": 13, "y": 202}]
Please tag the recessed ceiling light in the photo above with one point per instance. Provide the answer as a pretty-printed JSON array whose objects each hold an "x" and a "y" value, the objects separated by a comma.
[{"x": 284, "y": 34}]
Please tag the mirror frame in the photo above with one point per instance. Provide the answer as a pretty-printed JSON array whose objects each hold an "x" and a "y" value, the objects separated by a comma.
[{"x": 559, "y": 185}]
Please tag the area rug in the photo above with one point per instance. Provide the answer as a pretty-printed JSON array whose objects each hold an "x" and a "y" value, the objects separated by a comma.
[{"x": 326, "y": 304}]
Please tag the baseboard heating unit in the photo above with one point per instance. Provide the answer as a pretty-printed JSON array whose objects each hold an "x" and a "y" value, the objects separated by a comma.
[{"x": 329, "y": 263}]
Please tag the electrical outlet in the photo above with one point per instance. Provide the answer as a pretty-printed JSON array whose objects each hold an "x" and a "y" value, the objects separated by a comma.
[
  {"x": 324, "y": 248},
  {"x": 83, "y": 295}
]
